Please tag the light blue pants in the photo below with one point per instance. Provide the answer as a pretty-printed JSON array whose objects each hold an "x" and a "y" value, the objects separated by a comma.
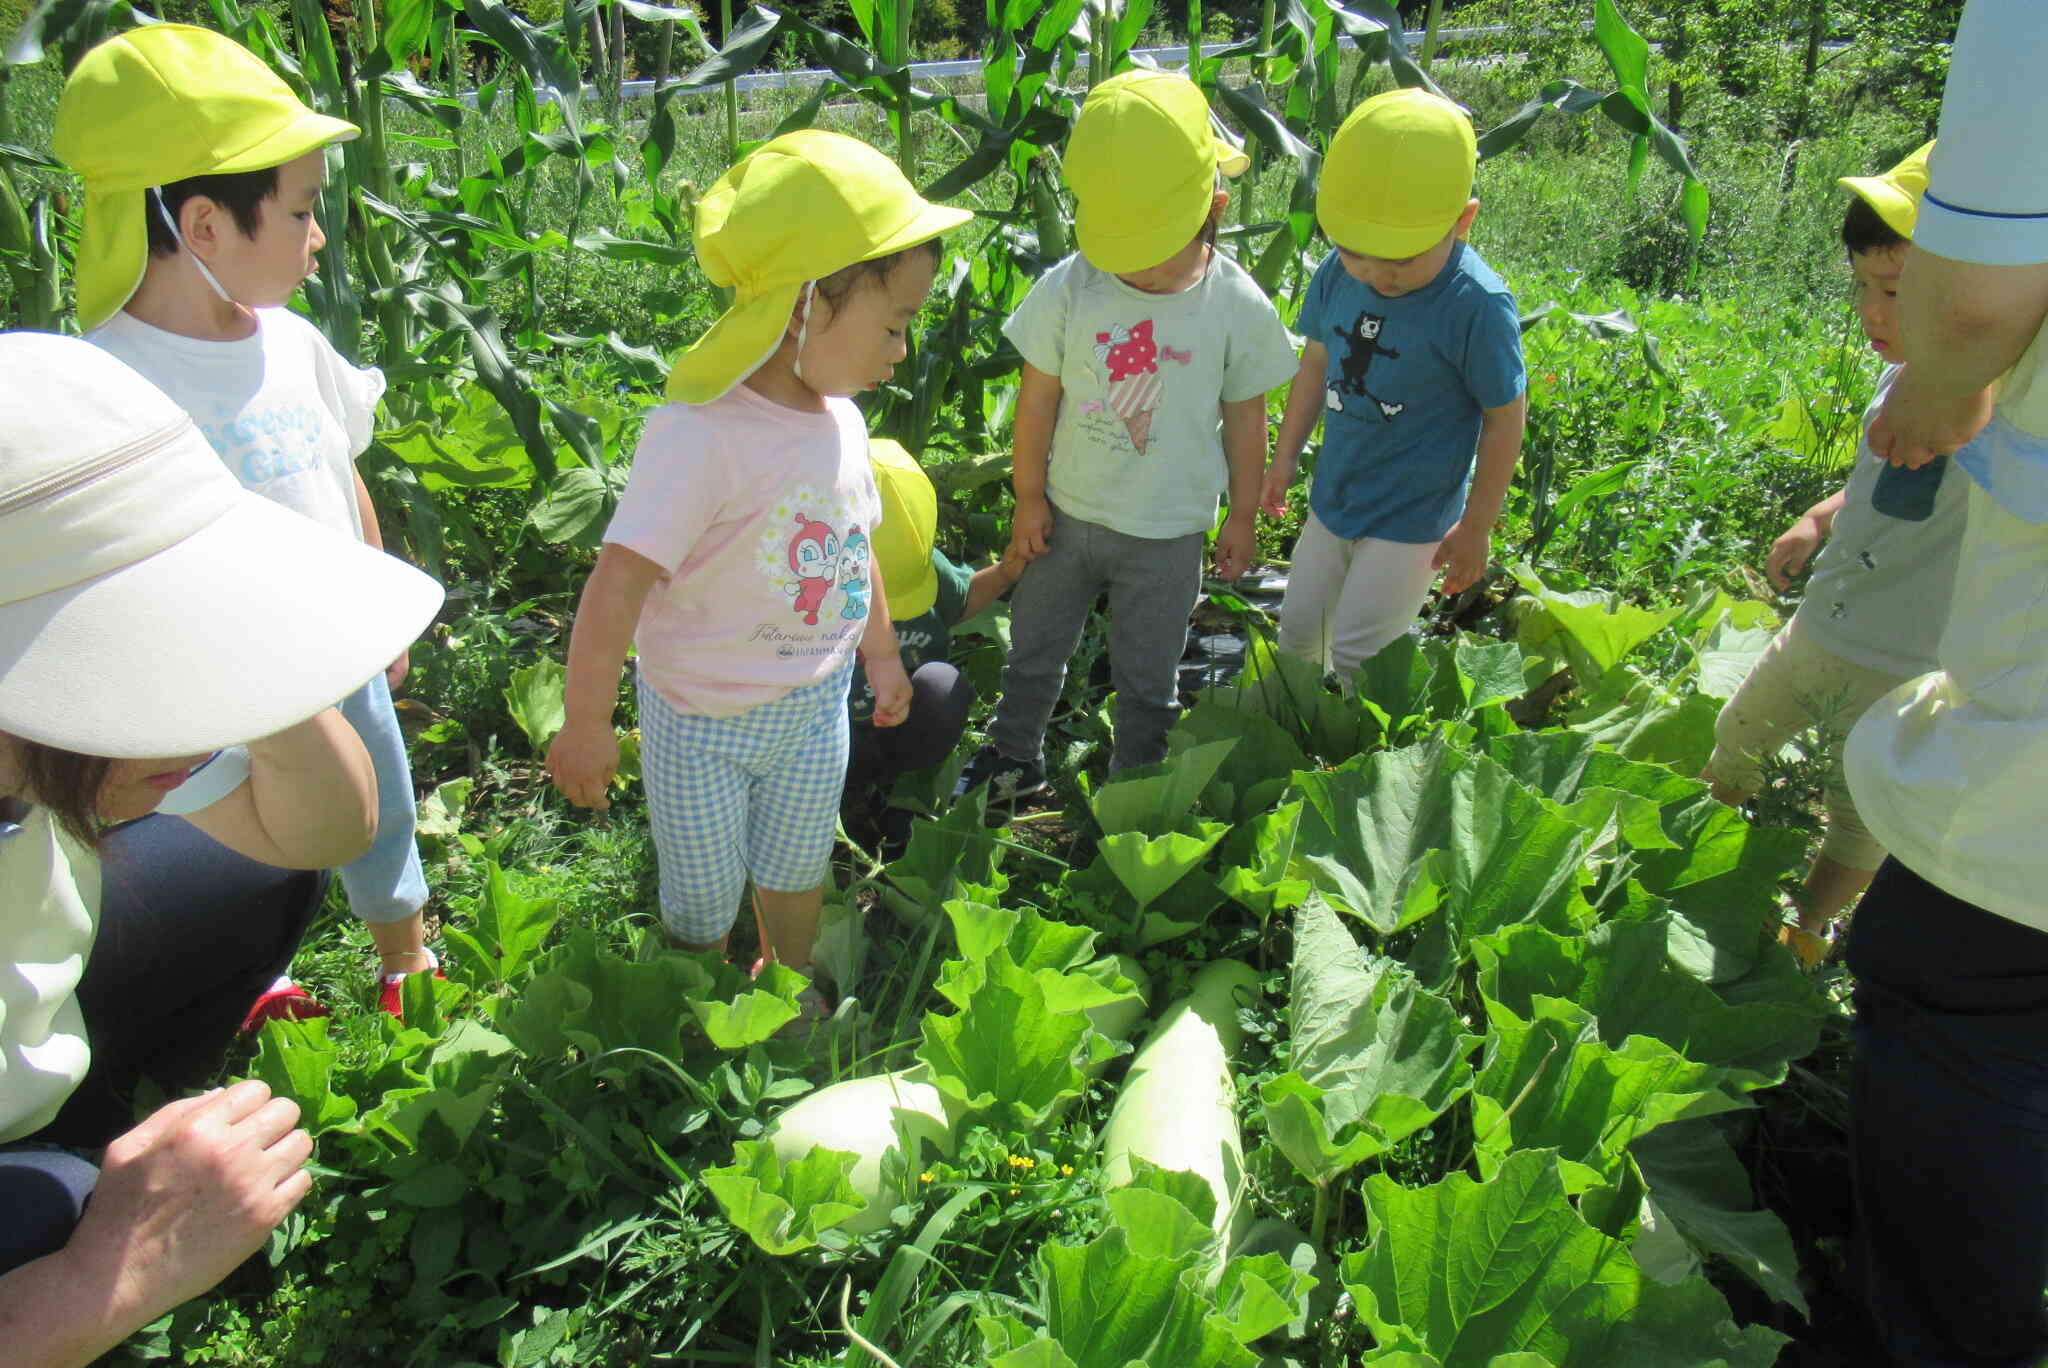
[
  {"x": 386, "y": 884},
  {"x": 732, "y": 798}
]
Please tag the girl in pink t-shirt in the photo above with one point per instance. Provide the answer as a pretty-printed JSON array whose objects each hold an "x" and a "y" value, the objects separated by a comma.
[{"x": 735, "y": 560}]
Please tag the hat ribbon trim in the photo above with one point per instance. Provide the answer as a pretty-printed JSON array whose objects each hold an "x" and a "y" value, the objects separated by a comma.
[{"x": 110, "y": 463}]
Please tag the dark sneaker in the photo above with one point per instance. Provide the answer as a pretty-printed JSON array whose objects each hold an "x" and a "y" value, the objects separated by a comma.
[{"x": 1007, "y": 779}]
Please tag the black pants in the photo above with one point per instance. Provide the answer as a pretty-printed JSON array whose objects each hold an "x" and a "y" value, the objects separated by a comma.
[
  {"x": 940, "y": 699},
  {"x": 190, "y": 934},
  {"x": 1950, "y": 1125}
]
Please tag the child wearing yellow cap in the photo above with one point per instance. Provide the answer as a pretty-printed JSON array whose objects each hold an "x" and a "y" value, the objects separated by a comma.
[
  {"x": 1413, "y": 363},
  {"x": 739, "y": 560},
  {"x": 1147, "y": 358},
  {"x": 1878, "y": 596},
  {"x": 929, "y": 595},
  {"x": 201, "y": 171}
]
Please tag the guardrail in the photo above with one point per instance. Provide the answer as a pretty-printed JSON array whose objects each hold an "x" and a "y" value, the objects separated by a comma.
[{"x": 785, "y": 80}]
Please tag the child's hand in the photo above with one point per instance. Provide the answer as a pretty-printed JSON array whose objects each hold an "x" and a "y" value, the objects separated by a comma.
[
  {"x": 1462, "y": 556},
  {"x": 397, "y": 670},
  {"x": 1273, "y": 494},
  {"x": 892, "y": 691},
  {"x": 1791, "y": 552},
  {"x": 1235, "y": 545},
  {"x": 582, "y": 761},
  {"x": 1031, "y": 528}
]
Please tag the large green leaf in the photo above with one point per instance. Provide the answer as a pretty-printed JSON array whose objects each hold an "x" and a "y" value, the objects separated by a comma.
[
  {"x": 1259, "y": 870},
  {"x": 1627, "y": 52},
  {"x": 1466, "y": 1271},
  {"x": 1158, "y": 798},
  {"x": 1257, "y": 769},
  {"x": 591, "y": 1000},
  {"x": 297, "y": 1060},
  {"x": 536, "y": 700},
  {"x": 1549, "y": 1083},
  {"x": 1149, "y": 865},
  {"x": 1722, "y": 874},
  {"x": 1699, "y": 1184},
  {"x": 1373, "y": 828},
  {"x": 1009, "y": 1052},
  {"x": 782, "y": 1207},
  {"x": 756, "y": 1013},
  {"x": 508, "y": 930},
  {"x": 1644, "y": 719},
  {"x": 1373, "y": 1056},
  {"x": 1261, "y": 1293},
  {"x": 1622, "y": 973},
  {"x": 1108, "y": 1306},
  {"x": 1598, "y": 629}
]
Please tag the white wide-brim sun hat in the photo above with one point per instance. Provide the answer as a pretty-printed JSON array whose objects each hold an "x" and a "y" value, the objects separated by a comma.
[{"x": 149, "y": 605}]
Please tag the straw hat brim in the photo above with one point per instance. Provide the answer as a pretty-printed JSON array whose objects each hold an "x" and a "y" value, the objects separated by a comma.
[{"x": 250, "y": 625}]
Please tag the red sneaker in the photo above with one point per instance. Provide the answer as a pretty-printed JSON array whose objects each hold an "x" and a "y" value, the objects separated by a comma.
[
  {"x": 391, "y": 989},
  {"x": 282, "y": 1001}
]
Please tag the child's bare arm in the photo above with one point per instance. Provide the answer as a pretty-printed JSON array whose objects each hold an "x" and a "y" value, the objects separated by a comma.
[
  {"x": 1463, "y": 554},
  {"x": 1796, "y": 545},
  {"x": 1304, "y": 411},
  {"x": 1038, "y": 408},
  {"x": 991, "y": 582},
  {"x": 585, "y": 753},
  {"x": 881, "y": 655},
  {"x": 1244, "y": 448}
]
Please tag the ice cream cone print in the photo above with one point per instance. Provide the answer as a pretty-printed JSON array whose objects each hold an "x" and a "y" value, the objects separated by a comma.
[
  {"x": 1134, "y": 399},
  {"x": 1132, "y": 360}
]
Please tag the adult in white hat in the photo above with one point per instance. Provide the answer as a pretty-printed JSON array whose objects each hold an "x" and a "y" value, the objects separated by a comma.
[{"x": 161, "y": 631}]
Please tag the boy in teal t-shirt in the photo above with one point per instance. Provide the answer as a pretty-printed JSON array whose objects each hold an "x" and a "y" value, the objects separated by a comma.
[{"x": 1413, "y": 362}]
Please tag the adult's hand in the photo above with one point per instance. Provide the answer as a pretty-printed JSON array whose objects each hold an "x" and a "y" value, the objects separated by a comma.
[
  {"x": 194, "y": 1190},
  {"x": 182, "y": 1199},
  {"x": 1919, "y": 422}
]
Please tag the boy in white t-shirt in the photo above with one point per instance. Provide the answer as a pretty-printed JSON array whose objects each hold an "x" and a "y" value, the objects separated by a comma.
[
  {"x": 202, "y": 172},
  {"x": 1879, "y": 592}
]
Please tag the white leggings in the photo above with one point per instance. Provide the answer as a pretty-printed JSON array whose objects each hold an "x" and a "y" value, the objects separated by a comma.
[{"x": 1347, "y": 599}]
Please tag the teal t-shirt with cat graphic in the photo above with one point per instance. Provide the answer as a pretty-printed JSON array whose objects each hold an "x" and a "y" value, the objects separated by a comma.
[{"x": 1408, "y": 380}]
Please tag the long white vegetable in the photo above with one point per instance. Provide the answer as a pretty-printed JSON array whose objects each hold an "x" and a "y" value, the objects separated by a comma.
[
  {"x": 1178, "y": 1106},
  {"x": 871, "y": 1116}
]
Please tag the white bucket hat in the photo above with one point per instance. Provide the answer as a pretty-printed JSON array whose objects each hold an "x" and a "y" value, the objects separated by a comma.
[{"x": 149, "y": 605}]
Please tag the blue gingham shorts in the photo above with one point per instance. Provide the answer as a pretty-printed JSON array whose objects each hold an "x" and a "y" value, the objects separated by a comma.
[{"x": 733, "y": 797}]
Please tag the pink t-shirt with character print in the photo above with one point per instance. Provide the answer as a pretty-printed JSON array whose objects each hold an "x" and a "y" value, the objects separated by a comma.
[{"x": 761, "y": 518}]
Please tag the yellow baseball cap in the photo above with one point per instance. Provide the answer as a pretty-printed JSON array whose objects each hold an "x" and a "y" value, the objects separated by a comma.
[
  {"x": 159, "y": 105},
  {"x": 1398, "y": 175},
  {"x": 1896, "y": 194},
  {"x": 910, "y": 523},
  {"x": 795, "y": 209},
  {"x": 1142, "y": 161}
]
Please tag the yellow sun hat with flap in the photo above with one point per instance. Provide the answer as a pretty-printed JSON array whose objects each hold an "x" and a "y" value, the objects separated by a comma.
[
  {"x": 910, "y": 524},
  {"x": 795, "y": 209},
  {"x": 1398, "y": 174},
  {"x": 1896, "y": 194},
  {"x": 160, "y": 105},
  {"x": 1143, "y": 160}
]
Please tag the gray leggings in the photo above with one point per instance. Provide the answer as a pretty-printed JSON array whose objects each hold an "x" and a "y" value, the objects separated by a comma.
[{"x": 1152, "y": 584}]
